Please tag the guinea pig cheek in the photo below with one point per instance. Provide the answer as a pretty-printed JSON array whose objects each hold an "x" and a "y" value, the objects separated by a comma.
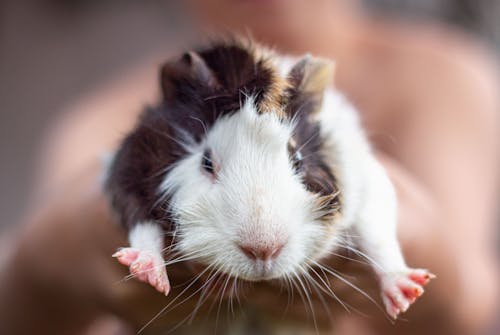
[{"x": 325, "y": 238}]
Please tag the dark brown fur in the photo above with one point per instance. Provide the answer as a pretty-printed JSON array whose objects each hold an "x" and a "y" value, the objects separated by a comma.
[{"x": 316, "y": 174}]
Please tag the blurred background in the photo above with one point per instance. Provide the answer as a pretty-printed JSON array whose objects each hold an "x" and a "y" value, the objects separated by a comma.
[{"x": 54, "y": 51}]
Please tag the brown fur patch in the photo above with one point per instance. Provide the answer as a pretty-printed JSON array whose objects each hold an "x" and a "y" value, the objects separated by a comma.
[{"x": 316, "y": 174}]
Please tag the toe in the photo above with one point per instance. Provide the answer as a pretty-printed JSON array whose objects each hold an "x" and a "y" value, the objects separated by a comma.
[
  {"x": 126, "y": 256},
  {"x": 390, "y": 306},
  {"x": 165, "y": 284},
  {"x": 412, "y": 293},
  {"x": 160, "y": 281},
  {"x": 137, "y": 270},
  {"x": 421, "y": 276},
  {"x": 398, "y": 300},
  {"x": 153, "y": 278},
  {"x": 410, "y": 289}
]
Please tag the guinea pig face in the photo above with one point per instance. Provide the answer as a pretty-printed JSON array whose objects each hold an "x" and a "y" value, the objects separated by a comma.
[{"x": 244, "y": 200}]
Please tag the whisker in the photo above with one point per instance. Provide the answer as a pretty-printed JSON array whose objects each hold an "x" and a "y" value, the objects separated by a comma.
[
  {"x": 172, "y": 301},
  {"x": 179, "y": 324},
  {"x": 360, "y": 291},
  {"x": 329, "y": 289},
  {"x": 220, "y": 301},
  {"x": 205, "y": 130},
  {"x": 317, "y": 288},
  {"x": 309, "y": 301},
  {"x": 348, "y": 258},
  {"x": 289, "y": 290},
  {"x": 364, "y": 255},
  {"x": 205, "y": 294}
]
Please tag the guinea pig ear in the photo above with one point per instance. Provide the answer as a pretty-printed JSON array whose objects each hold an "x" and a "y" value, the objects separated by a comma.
[
  {"x": 312, "y": 75},
  {"x": 187, "y": 72}
]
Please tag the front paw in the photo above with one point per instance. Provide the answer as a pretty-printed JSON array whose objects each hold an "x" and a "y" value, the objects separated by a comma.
[
  {"x": 146, "y": 266},
  {"x": 400, "y": 290}
]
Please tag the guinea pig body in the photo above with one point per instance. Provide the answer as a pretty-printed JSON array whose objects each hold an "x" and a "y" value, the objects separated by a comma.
[{"x": 256, "y": 167}]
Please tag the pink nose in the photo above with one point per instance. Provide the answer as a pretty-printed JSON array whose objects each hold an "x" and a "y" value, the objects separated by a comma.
[{"x": 262, "y": 253}]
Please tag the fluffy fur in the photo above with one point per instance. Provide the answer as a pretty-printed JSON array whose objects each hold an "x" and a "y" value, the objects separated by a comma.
[{"x": 289, "y": 170}]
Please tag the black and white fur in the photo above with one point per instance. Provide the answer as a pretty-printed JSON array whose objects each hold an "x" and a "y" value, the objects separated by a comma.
[{"x": 290, "y": 171}]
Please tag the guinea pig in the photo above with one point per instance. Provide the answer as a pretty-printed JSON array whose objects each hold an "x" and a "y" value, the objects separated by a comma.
[{"x": 253, "y": 164}]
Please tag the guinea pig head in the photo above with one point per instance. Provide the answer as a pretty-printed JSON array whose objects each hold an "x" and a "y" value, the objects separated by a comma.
[{"x": 250, "y": 194}]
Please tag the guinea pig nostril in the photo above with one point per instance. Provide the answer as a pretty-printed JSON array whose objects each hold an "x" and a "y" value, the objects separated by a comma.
[
  {"x": 249, "y": 252},
  {"x": 276, "y": 251},
  {"x": 261, "y": 253}
]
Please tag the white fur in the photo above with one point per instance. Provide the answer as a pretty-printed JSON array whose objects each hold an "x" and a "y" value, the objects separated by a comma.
[
  {"x": 369, "y": 200},
  {"x": 146, "y": 236}
]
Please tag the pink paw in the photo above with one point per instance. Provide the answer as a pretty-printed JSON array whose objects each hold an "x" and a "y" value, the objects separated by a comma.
[
  {"x": 400, "y": 290},
  {"x": 146, "y": 266}
]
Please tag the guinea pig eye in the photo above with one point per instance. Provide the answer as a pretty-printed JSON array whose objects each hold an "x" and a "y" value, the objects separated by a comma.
[
  {"x": 297, "y": 161},
  {"x": 207, "y": 163}
]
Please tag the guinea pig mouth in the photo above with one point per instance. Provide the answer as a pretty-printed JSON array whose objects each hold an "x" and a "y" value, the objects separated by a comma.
[{"x": 261, "y": 271}]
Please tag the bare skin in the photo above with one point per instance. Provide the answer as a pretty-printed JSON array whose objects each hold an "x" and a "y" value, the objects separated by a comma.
[{"x": 429, "y": 101}]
